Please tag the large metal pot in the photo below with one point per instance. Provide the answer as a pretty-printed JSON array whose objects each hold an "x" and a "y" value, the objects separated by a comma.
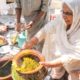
[
  {"x": 5, "y": 69},
  {"x": 37, "y": 74}
]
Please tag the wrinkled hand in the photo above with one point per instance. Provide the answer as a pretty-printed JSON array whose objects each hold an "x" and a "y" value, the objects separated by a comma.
[
  {"x": 55, "y": 63},
  {"x": 47, "y": 64},
  {"x": 26, "y": 46}
]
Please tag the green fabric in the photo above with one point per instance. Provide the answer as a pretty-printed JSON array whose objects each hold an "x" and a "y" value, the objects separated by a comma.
[{"x": 15, "y": 75}]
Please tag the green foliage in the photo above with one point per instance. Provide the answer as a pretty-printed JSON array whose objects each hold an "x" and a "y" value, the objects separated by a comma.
[{"x": 15, "y": 75}]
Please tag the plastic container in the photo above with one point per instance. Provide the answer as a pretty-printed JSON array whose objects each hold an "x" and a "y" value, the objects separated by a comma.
[
  {"x": 22, "y": 37},
  {"x": 5, "y": 68}
]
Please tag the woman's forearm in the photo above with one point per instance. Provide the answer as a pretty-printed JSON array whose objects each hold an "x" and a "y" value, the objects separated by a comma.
[
  {"x": 30, "y": 44},
  {"x": 54, "y": 63}
]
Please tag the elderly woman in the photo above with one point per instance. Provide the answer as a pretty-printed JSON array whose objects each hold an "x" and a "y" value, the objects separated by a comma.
[{"x": 68, "y": 39}]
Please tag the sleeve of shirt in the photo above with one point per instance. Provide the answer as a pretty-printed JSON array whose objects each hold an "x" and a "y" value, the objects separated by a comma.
[
  {"x": 17, "y": 3},
  {"x": 41, "y": 34},
  {"x": 44, "y": 6}
]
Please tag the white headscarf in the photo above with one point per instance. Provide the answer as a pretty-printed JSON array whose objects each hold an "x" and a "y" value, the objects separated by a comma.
[{"x": 69, "y": 41}]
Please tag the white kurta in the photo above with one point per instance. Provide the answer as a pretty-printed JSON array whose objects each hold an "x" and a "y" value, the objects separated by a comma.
[{"x": 50, "y": 50}]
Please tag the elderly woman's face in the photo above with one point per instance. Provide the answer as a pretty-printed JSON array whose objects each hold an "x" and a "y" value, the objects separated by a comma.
[{"x": 67, "y": 15}]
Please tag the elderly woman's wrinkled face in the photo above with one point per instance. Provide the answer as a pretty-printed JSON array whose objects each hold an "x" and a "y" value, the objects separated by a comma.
[{"x": 67, "y": 15}]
